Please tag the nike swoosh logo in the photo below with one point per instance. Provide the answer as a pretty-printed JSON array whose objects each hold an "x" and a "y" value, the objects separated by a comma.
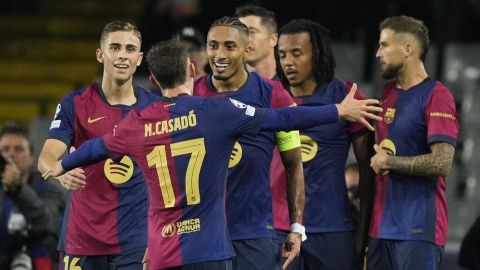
[{"x": 91, "y": 121}]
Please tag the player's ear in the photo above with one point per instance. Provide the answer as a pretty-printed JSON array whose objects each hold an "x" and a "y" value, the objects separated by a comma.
[
  {"x": 273, "y": 40},
  {"x": 99, "y": 54},
  {"x": 153, "y": 81},
  {"x": 191, "y": 70},
  {"x": 140, "y": 58}
]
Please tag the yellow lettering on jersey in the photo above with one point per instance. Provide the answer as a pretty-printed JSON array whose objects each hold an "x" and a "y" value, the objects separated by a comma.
[{"x": 171, "y": 125}]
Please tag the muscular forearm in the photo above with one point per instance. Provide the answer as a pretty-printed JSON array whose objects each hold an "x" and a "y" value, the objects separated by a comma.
[
  {"x": 438, "y": 162},
  {"x": 292, "y": 161},
  {"x": 52, "y": 151}
]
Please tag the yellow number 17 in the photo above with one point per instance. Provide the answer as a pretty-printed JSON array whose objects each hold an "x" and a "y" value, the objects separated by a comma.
[{"x": 158, "y": 158}]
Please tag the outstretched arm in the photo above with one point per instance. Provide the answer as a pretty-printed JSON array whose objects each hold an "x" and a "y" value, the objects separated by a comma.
[
  {"x": 301, "y": 117},
  {"x": 90, "y": 152},
  {"x": 52, "y": 151}
]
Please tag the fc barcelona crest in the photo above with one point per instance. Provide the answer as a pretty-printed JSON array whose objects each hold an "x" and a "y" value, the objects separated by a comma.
[{"x": 389, "y": 115}]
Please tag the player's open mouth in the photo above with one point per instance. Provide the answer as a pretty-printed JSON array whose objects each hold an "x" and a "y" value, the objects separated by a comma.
[
  {"x": 121, "y": 66},
  {"x": 220, "y": 66}
]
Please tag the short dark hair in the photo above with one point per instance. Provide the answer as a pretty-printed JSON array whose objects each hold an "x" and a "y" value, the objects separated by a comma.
[
  {"x": 231, "y": 22},
  {"x": 167, "y": 61},
  {"x": 410, "y": 25},
  {"x": 268, "y": 18},
  {"x": 119, "y": 26},
  {"x": 323, "y": 62},
  {"x": 14, "y": 128}
]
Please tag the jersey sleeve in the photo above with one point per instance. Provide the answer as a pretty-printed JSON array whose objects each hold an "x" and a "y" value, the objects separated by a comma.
[
  {"x": 355, "y": 129},
  {"x": 282, "y": 99},
  {"x": 441, "y": 116},
  {"x": 62, "y": 126},
  {"x": 118, "y": 142},
  {"x": 238, "y": 118}
]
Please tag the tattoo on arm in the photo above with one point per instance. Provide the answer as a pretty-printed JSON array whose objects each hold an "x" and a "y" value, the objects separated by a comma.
[
  {"x": 438, "y": 162},
  {"x": 292, "y": 161}
]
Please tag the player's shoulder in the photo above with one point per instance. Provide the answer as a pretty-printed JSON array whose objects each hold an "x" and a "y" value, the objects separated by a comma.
[
  {"x": 441, "y": 88},
  {"x": 80, "y": 91},
  {"x": 267, "y": 83},
  {"x": 145, "y": 97}
]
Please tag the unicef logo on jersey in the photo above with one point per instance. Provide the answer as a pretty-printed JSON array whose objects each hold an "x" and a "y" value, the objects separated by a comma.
[
  {"x": 118, "y": 173},
  {"x": 235, "y": 156},
  {"x": 309, "y": 148}
]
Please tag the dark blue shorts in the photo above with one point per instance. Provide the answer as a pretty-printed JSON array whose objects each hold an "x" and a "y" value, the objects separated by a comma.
[
  {"x": 406, "y": 255},
  {"x": 335, "y": 251},
  {"x": 213, "y": 265},
  {"x": 282, "y": 238},
  {"x": 256, "y": 254},
  {"x": 130, "y": 260}
]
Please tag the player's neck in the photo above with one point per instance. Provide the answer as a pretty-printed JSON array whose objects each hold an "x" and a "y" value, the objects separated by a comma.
[
  {"x": 307, "y": 88},
  {"x": 186, "y": 88},
  {"x": 232, "y": 84},
  {"x": 119, "y": 92},
  {"x": 265, "y": 67},
  {"x": 411, "y": 75}
]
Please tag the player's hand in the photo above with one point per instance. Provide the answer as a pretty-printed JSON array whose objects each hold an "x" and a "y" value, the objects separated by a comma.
[
  {"x": 291, "y": 249},
  {"x": 379, "y": 161},
  {"x": 355, "y": 110},
  {"x": 73, "y": 180},
  {"x": 54, "y": 171}
]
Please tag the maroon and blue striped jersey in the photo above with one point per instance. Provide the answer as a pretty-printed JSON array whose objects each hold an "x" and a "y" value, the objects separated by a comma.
[
  {"x": 409, "y": 207},
  {"x": 249, "y": 200},
  {"x": 110, "y": 214},
  {"x": 324, "y": 154},
  {"x": 183, "y": 146}
]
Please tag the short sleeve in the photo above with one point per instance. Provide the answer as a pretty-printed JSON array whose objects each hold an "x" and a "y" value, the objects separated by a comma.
[
  {"x": 62, "y": 126},
  {"x": 441, "y": 116}
]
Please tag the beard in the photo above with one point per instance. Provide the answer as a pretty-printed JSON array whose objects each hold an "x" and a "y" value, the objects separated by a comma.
[
  {"x": 220, "y": 77},
  {"x": 391, "y": 71}
]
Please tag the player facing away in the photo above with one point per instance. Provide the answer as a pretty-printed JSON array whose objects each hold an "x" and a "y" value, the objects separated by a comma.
[
  {"x": 307, "y": 66},
  {"x": 183, "y": 145},
  {"x": 249, "y": 203},
  {"x": 105, "y": 223},
  {"x": 263, "y": 37},
  {"x": 416, "y": 142}
]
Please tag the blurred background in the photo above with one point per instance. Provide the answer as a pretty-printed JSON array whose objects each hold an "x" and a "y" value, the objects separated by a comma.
[{"x": 47, "y": 48}]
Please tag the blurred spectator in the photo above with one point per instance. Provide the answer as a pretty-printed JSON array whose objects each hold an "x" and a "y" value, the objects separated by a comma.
[
  {"x": 196, "y": 49},
  {"x": 162, "y": 19},
  {"x": 30, "y": 208}
]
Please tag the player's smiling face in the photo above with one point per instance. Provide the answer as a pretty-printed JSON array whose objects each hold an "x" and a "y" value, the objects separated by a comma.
[
  {"x": 120, "y": 55},
  {"x": 295, "y": 52},
  {"x": 261, "y": 39},
  {"x": 390, "y": 54},
  {"x": 226, "y": 51}
]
